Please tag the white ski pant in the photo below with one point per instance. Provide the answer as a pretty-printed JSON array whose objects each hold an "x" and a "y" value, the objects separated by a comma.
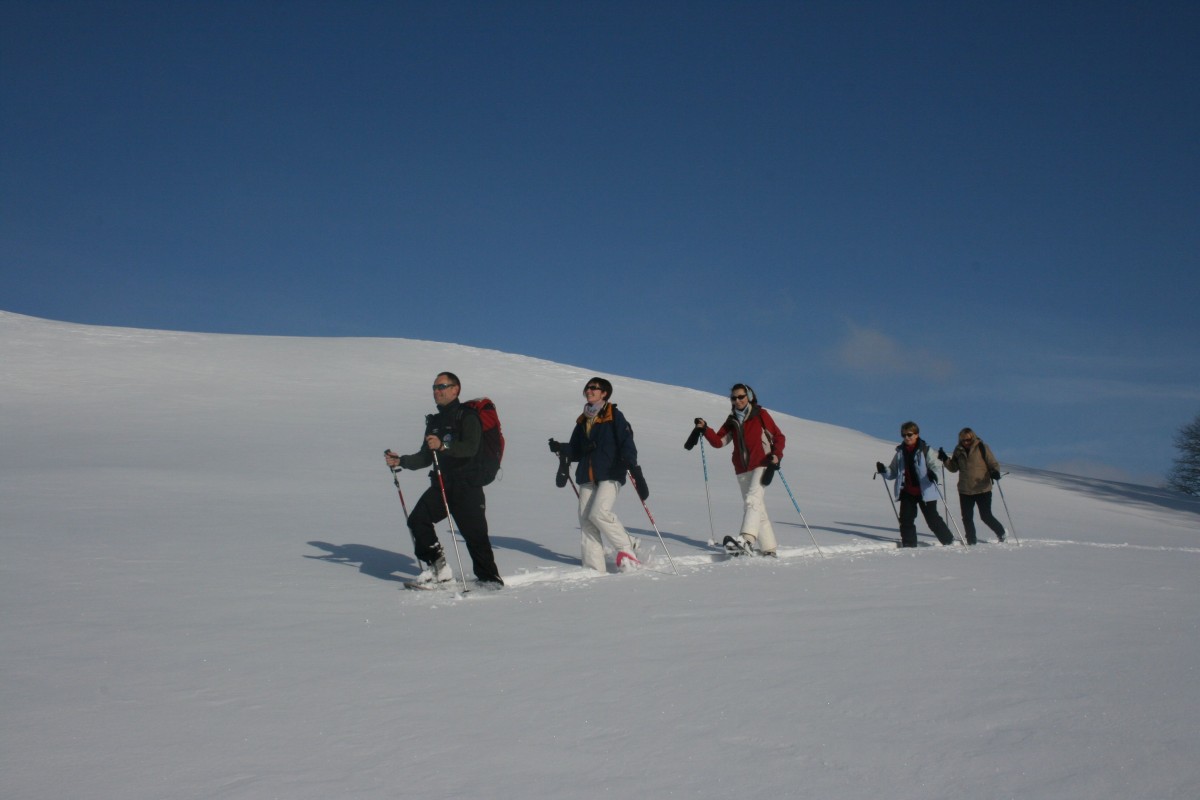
[
  {"x": 754, "y": 513},
  {"x": 600, "y": 525}
]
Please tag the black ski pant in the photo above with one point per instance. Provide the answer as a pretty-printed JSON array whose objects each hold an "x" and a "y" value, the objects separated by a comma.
[
  {"x": 908, "y": 518},
  {"x": 983, "y": 502},
  {"x": 469, "y": 509}
]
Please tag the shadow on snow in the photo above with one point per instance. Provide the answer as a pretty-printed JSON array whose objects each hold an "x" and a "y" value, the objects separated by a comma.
[
  {"x": 1129, "y": 493},
  {"x": 384, "y": 564},
  {"x": 370, "y": 560}
]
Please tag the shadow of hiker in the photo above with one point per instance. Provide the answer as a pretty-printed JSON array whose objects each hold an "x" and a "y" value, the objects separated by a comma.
[
  {"x": 895, "y": 532},
  {"x": 371, "y": 561},
  {"x": 857, "y": 534},
  {"x": 875, "y": 537},
  {"x": 649, "y": 533},
  {"x": 532, "y": 548}
]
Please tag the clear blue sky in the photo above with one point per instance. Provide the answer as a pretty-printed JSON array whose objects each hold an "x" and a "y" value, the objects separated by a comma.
[{"x": 981, "y": 214}]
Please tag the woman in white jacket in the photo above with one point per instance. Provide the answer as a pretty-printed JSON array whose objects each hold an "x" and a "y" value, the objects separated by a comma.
[{"x": 915, "y": 486}]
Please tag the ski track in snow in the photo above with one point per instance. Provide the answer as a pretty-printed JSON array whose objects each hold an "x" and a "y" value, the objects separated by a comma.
[{"x": 656, "y": 565}]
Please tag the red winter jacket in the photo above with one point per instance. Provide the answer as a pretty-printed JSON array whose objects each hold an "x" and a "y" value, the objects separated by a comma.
[{"x": 757, "y": 439}]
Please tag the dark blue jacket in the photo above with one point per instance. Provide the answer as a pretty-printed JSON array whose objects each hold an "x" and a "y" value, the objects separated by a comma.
[{"x": 605, "y": 452}]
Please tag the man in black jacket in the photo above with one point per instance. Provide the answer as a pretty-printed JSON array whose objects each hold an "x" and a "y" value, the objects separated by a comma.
[{"x": 454, "y": 433}]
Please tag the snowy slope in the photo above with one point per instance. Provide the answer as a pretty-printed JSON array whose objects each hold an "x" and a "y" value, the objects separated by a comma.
[{"x": 200, "y": 598}]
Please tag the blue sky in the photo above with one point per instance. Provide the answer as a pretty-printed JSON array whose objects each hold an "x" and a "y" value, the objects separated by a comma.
[{"x": 978, "y": 214}]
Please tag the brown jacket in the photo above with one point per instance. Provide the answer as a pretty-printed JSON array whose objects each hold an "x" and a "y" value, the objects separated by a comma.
[{"x": 975, "y": 465}]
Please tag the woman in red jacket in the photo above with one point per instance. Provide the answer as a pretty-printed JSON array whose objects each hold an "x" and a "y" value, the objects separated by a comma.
[{"x": 758, "y": 449}]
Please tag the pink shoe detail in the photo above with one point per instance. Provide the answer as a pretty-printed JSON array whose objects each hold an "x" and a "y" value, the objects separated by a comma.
[{"x": 627, "y": 561}]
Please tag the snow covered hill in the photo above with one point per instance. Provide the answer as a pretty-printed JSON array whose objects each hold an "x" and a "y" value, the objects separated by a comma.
[{"x": 200, "y": 598}]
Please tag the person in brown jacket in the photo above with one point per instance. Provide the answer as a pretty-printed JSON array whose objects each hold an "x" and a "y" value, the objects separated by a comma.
[{"x": 976, "y": 468}]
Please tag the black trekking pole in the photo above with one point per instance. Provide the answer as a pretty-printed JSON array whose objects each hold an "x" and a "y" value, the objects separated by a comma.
[
  {"x": 948, "y": 514},
  {"x": 712, "y": 534},
  {"x": 1012, "y": 528},
  {"x": 943, "y": 467},
  {"x": 697, "y": 435},
  {"x": 396, "y": 480},
  {"x": 653, "y": 524},
  {"x": 888, "y": 492},
  {"x": 801, "y": 513},
  {"x": 437, "y": 467}
]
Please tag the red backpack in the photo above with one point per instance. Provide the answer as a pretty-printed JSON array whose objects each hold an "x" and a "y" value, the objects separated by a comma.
[{"x": 491, "y": 448}]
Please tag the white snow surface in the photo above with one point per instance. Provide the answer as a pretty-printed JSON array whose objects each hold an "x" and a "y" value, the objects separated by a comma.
[{"x": 201, "y": 598}]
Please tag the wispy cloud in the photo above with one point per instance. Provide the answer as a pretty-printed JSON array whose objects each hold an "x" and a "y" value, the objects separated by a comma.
[
  {"x": 867, "y": 351},
  {"x": 1051, "y": 375},
  {"x": 1058, "y": 389}
]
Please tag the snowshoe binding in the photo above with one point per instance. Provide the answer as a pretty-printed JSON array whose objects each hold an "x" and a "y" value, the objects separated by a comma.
[{"x": 737, "y": 546}]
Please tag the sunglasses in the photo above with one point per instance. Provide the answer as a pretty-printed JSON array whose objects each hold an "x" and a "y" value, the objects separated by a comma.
[
  {"x": 909, "y": 435},
  {"x": 593, "y": 389},
  {"x": 737, "y": 397},
  {"x": 441, "y": 387}
]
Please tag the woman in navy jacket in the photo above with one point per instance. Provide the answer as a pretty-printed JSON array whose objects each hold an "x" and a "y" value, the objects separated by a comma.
[{"x": 602, "y": 444}]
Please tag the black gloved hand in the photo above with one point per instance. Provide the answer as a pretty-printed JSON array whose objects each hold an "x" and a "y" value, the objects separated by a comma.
[
  {"x": 769, "y": 474},
  {"x": 398, "y": 463},
  {"x": 555, "y": 447},
  {"x": 994, "y": 474},
  {"x": 564, "y": 470},
  {"x": 693, "y": 437},
  {"x": 942, "y": 457},
  {"x": 639, "y": 483},
  {"x": 931, "y": 475},
  {"x": 880, "y": 468}
]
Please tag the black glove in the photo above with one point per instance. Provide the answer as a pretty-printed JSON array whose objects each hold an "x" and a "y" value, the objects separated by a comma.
[
  {"x": 639, "y": 483},
  {"x": 401, "y": 462},
  {"x": 693, "y": 437},
  {"x": 931, "y": 475},
  {"x": 556, "y": 447},
  {"x": 564, "y": 470},
  {"x": 942, "y": 457},
  {"x": 994, "y": 474},
  {"x": 880, "y": 468},
  {"x": 769, "y": 474}
]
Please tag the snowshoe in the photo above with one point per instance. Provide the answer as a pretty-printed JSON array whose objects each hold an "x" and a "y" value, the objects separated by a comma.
[
  {"x": 434, "y": 575},
  {"x": 737, "y": 546}
]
